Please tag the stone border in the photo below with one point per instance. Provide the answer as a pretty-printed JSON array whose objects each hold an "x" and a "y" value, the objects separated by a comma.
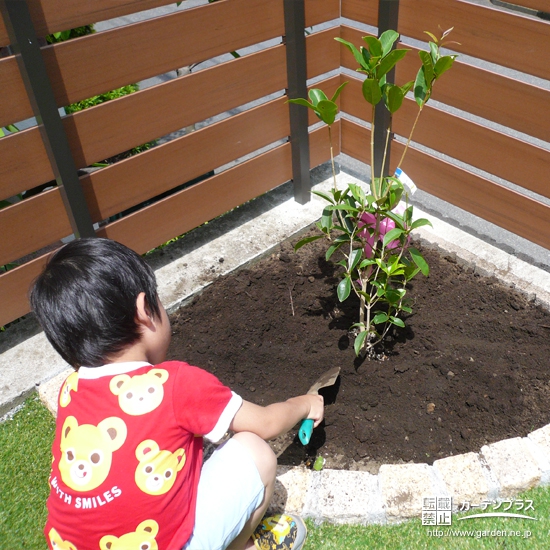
[{"x": 396, "y": 493}]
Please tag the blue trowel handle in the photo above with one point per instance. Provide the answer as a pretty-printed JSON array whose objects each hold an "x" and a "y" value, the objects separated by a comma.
[{"x": 305, "y": 431}]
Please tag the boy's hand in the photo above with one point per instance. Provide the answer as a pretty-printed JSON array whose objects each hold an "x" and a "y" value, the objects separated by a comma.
[
  {"x": 316, "y": 408},
  {"x": 277, "y": 418}
]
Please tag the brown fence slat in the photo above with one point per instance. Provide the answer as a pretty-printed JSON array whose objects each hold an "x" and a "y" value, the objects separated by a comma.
[
  {"x": 57, "y": 15},
  {"x": 162, "y": 168},
  {"x": 207, "y": 199},
  {"x": 14, "y": 288},
  {"x": 486, "y": 149},
  {"x": 355, "y": 140},
  {"x": 510, "y": 40},
  {"x": 481, "y": 197},
  {"x": 489, "y": 95},
  {"x": 361, "y": 11},
  {"x": 78, "y": 70},
  {"x": 539, "y": 5},
  {"x": 107, "y": 129},
  {"x": 17, "y": 174},
  {"x": 32, "y": 224},
  {"x": 15, "y": 105}
]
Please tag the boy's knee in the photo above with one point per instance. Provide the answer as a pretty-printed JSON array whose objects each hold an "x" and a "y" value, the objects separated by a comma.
[{"x": 261, "y": 453}]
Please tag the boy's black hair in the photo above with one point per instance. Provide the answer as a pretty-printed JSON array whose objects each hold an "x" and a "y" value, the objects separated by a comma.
[{"x": 85, "y": 299}]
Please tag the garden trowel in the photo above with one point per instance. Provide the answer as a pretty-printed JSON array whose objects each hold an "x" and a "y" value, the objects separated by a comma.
[{"x": 328, "y": 378}]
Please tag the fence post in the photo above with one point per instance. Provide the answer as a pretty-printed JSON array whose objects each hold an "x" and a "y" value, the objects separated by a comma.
[
  {"x": 388, "y": 12},
  {"x": 38, "y": 86},
  {"x": 295, "y": 41}
]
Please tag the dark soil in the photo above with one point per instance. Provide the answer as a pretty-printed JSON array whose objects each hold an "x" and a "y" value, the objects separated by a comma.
[{"x": 470, "y": 368}]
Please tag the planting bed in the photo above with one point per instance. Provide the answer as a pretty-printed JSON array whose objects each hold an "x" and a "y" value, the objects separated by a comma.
[{"x": 470, "y": 368}]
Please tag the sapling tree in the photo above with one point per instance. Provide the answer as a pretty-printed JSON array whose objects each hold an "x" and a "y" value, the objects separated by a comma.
[{"x": 371, "y": 229}]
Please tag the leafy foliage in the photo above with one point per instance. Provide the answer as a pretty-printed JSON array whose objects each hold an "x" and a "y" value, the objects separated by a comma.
[{"x": 371, "y": 228}]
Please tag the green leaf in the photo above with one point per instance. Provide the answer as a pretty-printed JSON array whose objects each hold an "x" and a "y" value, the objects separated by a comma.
[
  {"x": 397, "y": 219},
  {"x": 392, "y": 235},
  {"x": 357, "y": 192},
  {"x": 359, "y": 341},
  {"x": 434, "y": 52},
  {"x": 301, "y": 101},
  {"x": 12, "y": 128},
  {"x": 327, "y": 110},
  {"x": 371, "y": 91},
  {"x": 344, "y": 289},
  {"x": 387, "y": 39},
  {"x": 366, "y": 56},
  {"x": 406, "y": 309},
  {"x": 388, "y": 62},
  {"x": 420, "y": 88},
  {"x": 380, "y": 318},
  {"x": 443, "y": 65},
  {"x": 374, "y": 45},
  {"x": 419, "y": 261},
  {"x": 326, "y": 218},
  {"x": 324, "y": 195},
  {"x": 316, "y": 95},
  {"x": 394, "y": 98},
  {"x": 406, "y": 87},
  {"x": 393, "y": 296},
  {"x": 345, "y": 207},
  {"x": 356, "y": 53},
  {"x": 354, "y": 258},
  {"x": 331, "y": 250},
  {"x": 428, "y": 66},
  {"x": 365, "y": 263},
  {"x": 338, "y": 91},
  {"x": 2, "y": 133},
  {"x": 307, "y": 240},
  {"x": 397, "y": 321},
  {"x": 420, "y": 222}
]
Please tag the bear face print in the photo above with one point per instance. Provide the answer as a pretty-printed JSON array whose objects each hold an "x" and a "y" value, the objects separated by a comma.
[
  {"x": 58, "y": 543},
  {"x": 143, "y": 538},
  {"x": 70, "y": 384},
  {"x": 139, "y": 394},
  {"x": 87, "y": 451},
  {"x": 156, "y": 471}
]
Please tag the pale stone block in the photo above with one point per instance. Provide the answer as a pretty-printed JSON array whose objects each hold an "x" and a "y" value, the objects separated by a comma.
[
  {"x": 403, "y": 486},
  {"x": 465, "y": 479},
  {"x": 49, "y": 391},
  {"x": 291, "y": 488},
  {"x": 341, "y": 496},
  {"x": 542, "y": 438},
  {"x": 541, "y": 458},
  {"x": 513, "y": 465}
]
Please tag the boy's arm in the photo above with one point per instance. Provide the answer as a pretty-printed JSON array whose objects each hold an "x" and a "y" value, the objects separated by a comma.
[{"x": 277, "y": 418}]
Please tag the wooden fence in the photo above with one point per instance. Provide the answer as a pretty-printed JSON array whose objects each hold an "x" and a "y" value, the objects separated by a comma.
[{"x": 93, "y": 64}]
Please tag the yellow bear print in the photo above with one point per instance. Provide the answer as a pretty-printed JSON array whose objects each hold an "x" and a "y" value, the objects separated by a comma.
[
  {"x": 70, "y": 384},
  {"x": 58, "y": 543},
  {"x": 139, "y": 394},
  {"x": 143, "y": 538},
  {"x": 87, "y": 451},
  {"x": 156, "y": 471}
]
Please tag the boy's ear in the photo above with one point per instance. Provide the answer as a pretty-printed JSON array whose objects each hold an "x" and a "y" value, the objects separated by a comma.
[{"x": 143, "y": 313}]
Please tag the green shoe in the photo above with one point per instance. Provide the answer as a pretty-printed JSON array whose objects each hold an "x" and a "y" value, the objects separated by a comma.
[{"x": 280, "y": 532}]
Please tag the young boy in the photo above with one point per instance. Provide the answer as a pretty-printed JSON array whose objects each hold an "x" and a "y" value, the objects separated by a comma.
[{"x": 127, "y": 468}]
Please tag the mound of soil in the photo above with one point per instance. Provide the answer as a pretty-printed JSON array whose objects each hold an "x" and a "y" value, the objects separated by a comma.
[{"x": 470, "y": 368}]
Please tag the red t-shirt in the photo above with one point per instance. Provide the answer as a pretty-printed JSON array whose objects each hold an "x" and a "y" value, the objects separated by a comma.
[{"x": 127, "y": 454}]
